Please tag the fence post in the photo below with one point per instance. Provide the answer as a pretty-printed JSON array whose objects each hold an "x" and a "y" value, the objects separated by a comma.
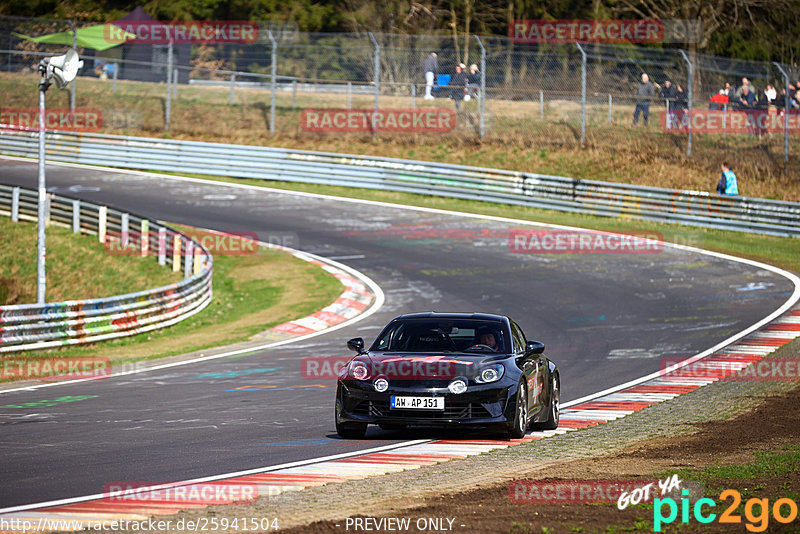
[
  {"x": 785, "y": 119},
  {"x": 114, "y": 83},
  {"x": 349, "y": 94},
  {"x": 102, "y": 220},
  {"x": 541, "y": 104},
  {"x": 376, "y": 75},
  {"x": 175, "y": 82},
  {"x": 76, "y": 216},
  {"x": 169, "y": 88},
  {"x": 162, "y": 246},
  {"x": 274, "y": 61},
  {"x": 233, "y": 85},
  {"x": 125, "y": 230},
  {"x": 610, "y": 120},
  {"x": 74, "y": 87},
  {"x": 188, "y": 257},
  {"x": 583, "y": 93},
  {"x": 690, "y": 83},
  {"x": 413, "y": 95},
  {"x": 294, "y": 93},
  {"x": 482, "y": 98},
  {"x": 15, "y": 204},
  {"x": 145, "y": 237}
]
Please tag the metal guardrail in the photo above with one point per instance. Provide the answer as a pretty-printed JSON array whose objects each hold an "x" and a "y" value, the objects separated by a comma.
[
  {"x": 37, "y": 326},
  {"x": 559, "y": 193}
]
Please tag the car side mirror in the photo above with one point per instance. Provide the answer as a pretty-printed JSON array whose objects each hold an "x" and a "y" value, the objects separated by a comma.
[
  {"x": 534, "y": 347},
  {"x": 356, "y": 345}
]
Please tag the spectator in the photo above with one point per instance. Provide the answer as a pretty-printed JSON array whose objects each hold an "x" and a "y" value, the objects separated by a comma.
[
  {"x": 747, "y": 100},
  {"x": 667, "y": 94},
  {"x": 770, "y": 94},
  {"x": 740, "y": 90},
  {"x": 726, "y": 90},
  {"x": 681, "y": 103},
  {"x": 644, "y": 94},
  {"x": 795, "y": 103},
  {"x": 780, "y": 101},
  {"x": 431, "y": 67},
  {"x": 727, "y": 182},
  {"x": 458, "y": 85},
  {"x": 473, "y": 81}
]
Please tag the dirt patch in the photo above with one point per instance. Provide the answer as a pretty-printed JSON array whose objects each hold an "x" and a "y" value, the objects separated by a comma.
[{"x": 769, "y": 427}]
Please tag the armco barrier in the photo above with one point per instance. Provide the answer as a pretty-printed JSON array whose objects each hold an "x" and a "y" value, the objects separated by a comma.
[
  {"x": 456, "y": 181},
  {"x": 35, "y": 326}
]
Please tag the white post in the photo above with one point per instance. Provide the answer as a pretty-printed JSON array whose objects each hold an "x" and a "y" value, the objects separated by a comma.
[
  {"x": 162, "y": 246},
  {"x": 102, "y": 221},
  {"x": 125, "y": 230},
  {"x": 15, "y": 204},
  {"x": 41, "y": 249},
  {"x": 187, "y": 262},
  {"x": 76, "y": 216},
  {"x": 145, "y": 237},
  {"x": 176, "y": 253}
]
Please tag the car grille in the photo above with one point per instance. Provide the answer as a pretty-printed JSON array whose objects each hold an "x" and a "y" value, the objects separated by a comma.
[{"x": 452, "y": 410}]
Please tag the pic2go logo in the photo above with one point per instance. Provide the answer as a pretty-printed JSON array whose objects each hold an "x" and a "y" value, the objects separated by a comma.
[{"x": 756, "y": 511}]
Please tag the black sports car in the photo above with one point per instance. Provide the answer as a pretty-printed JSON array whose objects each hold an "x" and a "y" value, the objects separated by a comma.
[{"x": 440, "y": 369}]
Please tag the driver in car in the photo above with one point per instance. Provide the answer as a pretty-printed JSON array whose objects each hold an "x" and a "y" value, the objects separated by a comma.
[{"x": 488, "y": 338}]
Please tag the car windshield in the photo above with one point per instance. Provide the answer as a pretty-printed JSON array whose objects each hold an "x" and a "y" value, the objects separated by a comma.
[{"x": 442, "y": 335}]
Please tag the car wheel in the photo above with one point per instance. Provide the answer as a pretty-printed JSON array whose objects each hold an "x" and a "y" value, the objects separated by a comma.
[
  {"x": 351, "y": 430},
  {"x": 519, "y": 425},
  {"x": 554, "y": 409}
]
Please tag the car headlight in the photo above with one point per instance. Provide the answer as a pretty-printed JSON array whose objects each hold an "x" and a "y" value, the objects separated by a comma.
[
  {"x": 457, "y": 386},
  {"x": 491, "y": 373},
  {"x": 358, "y": 370},
  {"x": 381, "y": 385}
]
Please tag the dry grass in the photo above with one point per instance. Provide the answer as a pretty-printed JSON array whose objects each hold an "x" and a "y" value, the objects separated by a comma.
[{"x": 516, "y": 137}]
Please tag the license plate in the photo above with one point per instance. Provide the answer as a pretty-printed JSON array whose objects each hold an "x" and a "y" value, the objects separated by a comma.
[{"x": 417, "y": 403}]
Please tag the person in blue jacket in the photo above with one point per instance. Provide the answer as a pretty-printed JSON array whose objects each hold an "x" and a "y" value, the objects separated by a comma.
[{"x": 727, "y": 182}]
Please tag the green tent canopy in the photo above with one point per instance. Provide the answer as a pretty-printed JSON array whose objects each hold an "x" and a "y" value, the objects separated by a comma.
[{"x": 94, "y": 37}]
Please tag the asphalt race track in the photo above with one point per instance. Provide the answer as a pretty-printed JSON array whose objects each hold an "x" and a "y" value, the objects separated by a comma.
[{"x": 605, "y": 318}]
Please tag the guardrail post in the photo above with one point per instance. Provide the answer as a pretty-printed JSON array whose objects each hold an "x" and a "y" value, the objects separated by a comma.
[
  {"x": 233, "y": 85},
  {"x": 690, "y": 83},
  {"x": 176, "y": 253},
  {"x": 76, "y": 216},
  {"x": 15, "y": 204},
  {"x": 482, "y": 96},
  {"x": 145, "y": 237},
  {"x": 188, "y": 259},
  {"x": 162, "y": 246},
  {"x": 198, "y": 262},
  {"x": 124, "y": 230},
  {"x": 274, "y": 61},
  {"x": 785, "y": 119},
  {"x": 169, "y": 88},
  {"x": 114, "y": 82},
  {"x": 583, "y": 93},
  {"x": 102, "y": 223}
]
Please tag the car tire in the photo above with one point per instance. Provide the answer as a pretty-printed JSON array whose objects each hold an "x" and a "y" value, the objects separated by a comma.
[
  {"x": 554, "y": 410},
  {"x": 351, "y": 430},
  {"x": 519, "y": 425}
]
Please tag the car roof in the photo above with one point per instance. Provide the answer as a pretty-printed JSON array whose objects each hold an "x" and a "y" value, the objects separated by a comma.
[{"x": 452, "y": 315}]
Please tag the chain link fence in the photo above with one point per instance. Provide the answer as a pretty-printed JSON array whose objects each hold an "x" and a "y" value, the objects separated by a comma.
[{"x": 533, "y": 95}]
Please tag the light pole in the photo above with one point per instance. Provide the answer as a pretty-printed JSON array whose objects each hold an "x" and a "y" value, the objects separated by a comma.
[{"x": 63, "y": 69}]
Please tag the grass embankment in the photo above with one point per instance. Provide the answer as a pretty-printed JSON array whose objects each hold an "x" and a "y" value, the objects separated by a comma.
[
  {"x": 516, "y": 137},
  {"x": 251, "y": 292}
]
